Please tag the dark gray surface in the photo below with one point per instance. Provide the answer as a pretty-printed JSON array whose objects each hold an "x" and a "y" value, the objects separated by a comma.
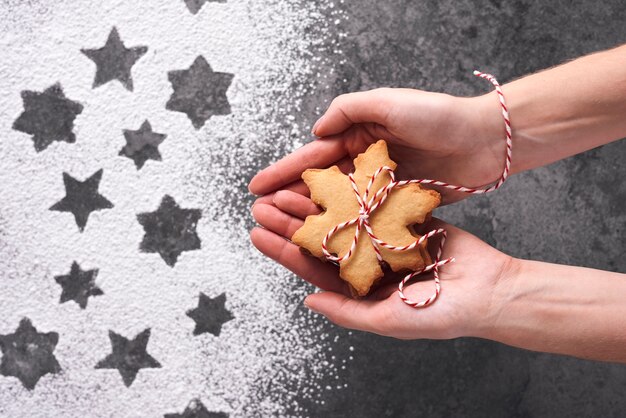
[
  {"x": 199, "y": 92},
  {"x": 570, "y": 212},
  {"x": 48, "y": 116},
  {"x": 114, "y": 61}
]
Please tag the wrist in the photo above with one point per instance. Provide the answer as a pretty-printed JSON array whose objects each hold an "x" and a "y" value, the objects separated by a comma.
[
  {"x": 505, "y": 292},
  {"x": 485, "y": 143}
]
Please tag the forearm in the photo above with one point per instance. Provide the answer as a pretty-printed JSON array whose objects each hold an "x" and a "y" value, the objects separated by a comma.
[
  {"x": 561, "y": 309},
  {"x": 564, "y": 110}
]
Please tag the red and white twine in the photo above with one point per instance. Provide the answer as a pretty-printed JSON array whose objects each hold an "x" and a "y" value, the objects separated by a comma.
[{"x": 367, "y": 205}]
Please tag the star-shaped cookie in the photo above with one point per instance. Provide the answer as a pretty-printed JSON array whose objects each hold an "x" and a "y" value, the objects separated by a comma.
[
  {"x": 392, "y": 222},
  {"x": 28, "y": 354},
  {"x": 210, "y": 314},
  {"x": 142, "y": 145},
  {"x": 114, "y": 61},
  {"x": 48, "y": 116},
  {"x": 129, "y": 356},
  {"x": 78, "y": 285},
  {"x": 170, "y": 230},
  {"x": 82, "y": 198},
  {"x": 199, "y": 92}
]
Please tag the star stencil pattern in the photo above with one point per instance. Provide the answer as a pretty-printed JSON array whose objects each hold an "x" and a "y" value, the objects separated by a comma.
[
  {"x": 199, "y": 92},
  {"x": 78, "y": 285},
  {"x": 28, "y": 354},
  {"x": 48, "y": 117},
  {"x": 82, "y": 198},
  {"x": 114, "y": 61},
  {"x": 210, "y": 314},
  {"x": 142, "y": 145},
  {"x": 194, "y": 6},
  {"x": 129, "y": 356},
  {"x": 170, "y": 230},
  {"x": 196, "y": 409}
]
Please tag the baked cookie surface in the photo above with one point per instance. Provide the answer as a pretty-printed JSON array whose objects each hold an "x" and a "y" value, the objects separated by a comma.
[{"x": 391, "y": 222}]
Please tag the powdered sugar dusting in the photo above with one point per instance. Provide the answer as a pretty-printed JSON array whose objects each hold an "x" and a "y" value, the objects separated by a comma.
[{"x": 273, "y": 354}]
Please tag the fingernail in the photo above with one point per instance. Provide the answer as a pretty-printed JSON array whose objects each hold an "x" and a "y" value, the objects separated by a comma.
[
  {"x": 308, "y": 307},
  {"x": 316, "y": 124},
  {"x": 274, "y": 196}
]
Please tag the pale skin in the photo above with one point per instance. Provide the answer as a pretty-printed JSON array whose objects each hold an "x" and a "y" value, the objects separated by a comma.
[{"x": 545, "y": 307}]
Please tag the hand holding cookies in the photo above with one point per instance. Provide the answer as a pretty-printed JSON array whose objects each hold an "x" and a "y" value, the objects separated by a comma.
[{"x": 487, "y": 294}]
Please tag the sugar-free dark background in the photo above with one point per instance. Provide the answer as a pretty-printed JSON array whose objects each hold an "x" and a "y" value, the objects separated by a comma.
[
  {"x": 571, "y": 212},
  {"x": 265, "y": 359}
]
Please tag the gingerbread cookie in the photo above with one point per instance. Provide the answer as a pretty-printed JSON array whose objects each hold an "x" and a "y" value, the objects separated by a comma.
[{"x": 391, "y": 222}]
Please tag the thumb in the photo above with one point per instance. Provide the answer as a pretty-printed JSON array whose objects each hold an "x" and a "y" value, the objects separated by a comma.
[
  {"x": 351, "y": 108},
  {"x": 346, "y": 312}
]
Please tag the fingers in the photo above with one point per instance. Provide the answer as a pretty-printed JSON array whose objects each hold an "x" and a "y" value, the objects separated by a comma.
[
  {"x": 311, "y": 269},
  {"x": 277, "y": 221},
  {"x": 289, "y": 169},
  {"x": 432, "y": 223},
  {"x": 363, "y": 315},
  {"x": 294, "y": 204},
  {"x": 348, "y": 109},
  {"x": 297, "y": 187}
]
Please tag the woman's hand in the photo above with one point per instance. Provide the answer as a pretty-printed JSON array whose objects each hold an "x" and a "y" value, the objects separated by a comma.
[
  {"x": 464, "y": 307},
  {"x": 430, "y": 135}
]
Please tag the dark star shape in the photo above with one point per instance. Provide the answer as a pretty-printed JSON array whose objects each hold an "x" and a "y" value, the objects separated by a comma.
[
  {"x": 78, "y": 285},
  {"x": 196, "y": 409},
  {"x": 82, "y": 198},
  {"x": 199, "y": 92},
  {"x": 210, "y": 314},
  {"x": 194, "y": 6},
  {"x": 114, "y": 61},
  {"x": 129, "y": 356},
  {"x": 142, "y": 145},
  {"x": 28, "y": 354},
  {"x": 48, "y": 116},
  {"x": 170, "y": 230}
]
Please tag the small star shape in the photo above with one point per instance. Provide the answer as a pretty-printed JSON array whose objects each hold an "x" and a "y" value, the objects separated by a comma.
[
  {"x": 142, "y": 145},
  {"x": 82, "y": 198},
  {"x": 194, "y": 6},
  {"x": 129, "y": 356},
  {"x": 78, "y": 285},
  {"x": 196, "y": 409},
  {"x": 114, "y": 61},
  {"x": 199, "y": 92},
  {"x": 170, "y": 230},
  {"x": 48, "y": 117},
  {"x": 28, "y": 354},
  {"x": 210, "y": 314}
]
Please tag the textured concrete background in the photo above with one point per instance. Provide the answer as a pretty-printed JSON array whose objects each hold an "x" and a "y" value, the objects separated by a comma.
[
  {"x": 571, "y": 212},
  {"x": 289, "y": 59}
]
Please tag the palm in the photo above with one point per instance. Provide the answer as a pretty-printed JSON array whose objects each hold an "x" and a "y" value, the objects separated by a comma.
[{"x": 466, "y": 284}]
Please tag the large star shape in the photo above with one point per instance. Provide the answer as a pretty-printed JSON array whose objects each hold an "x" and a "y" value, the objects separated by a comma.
[
  {"x": 82, "y": 198},
  {"x": 129, "y": 356},
  {"x": 194, "y": 6},
  {"x": 196, "y": 409},
  {"x": 78, "y": 285},
  {"x": 28, "y": 354},
  {"x": 210, "y": 314},
  {"x": 199, "y": 92},
  {"x": 142, "y": 145},
  {"x": 114, "y": 61},
  {"x": 48, "y": 116},
  {"x": 170, "y": 230}
]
